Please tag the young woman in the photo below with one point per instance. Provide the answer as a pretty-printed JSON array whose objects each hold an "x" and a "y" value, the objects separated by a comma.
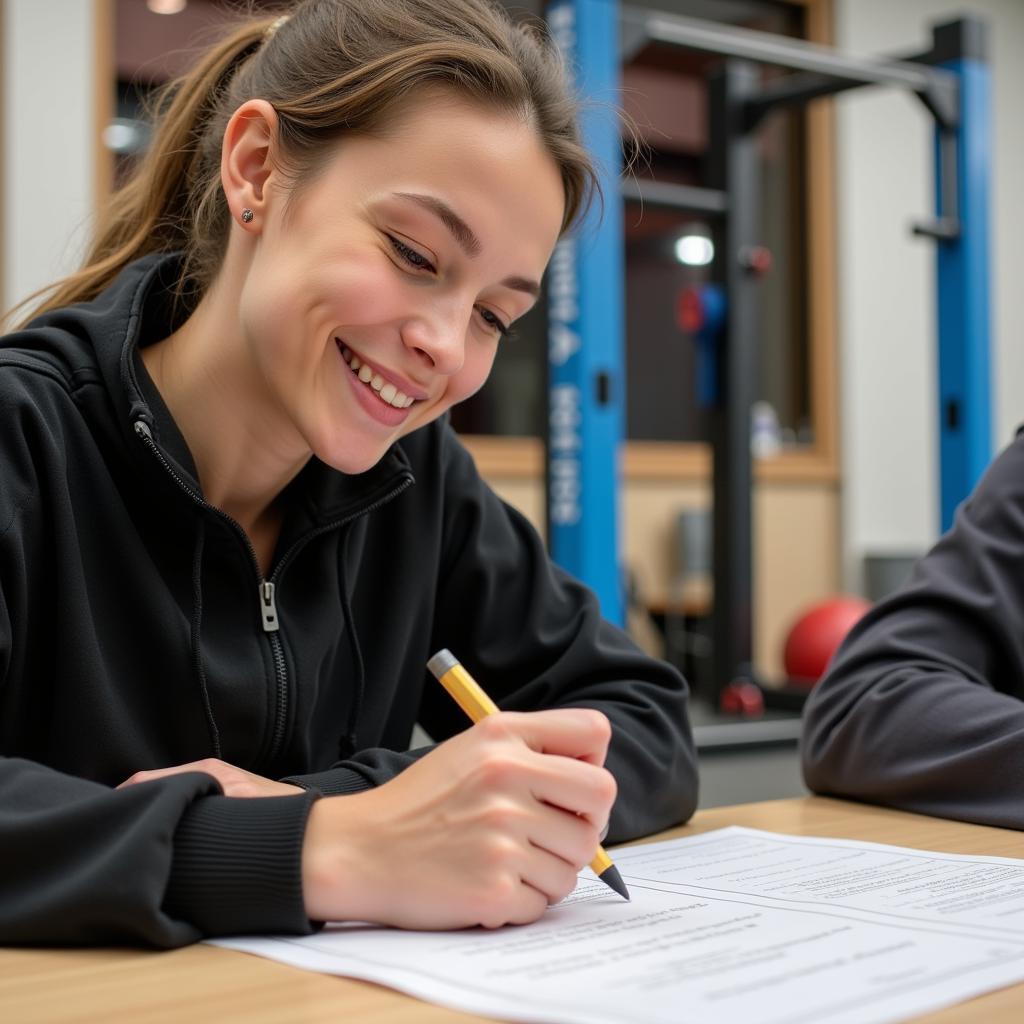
[{"x": 234, "y": 523}]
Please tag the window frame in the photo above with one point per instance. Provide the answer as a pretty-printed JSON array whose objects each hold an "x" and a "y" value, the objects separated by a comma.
[{"x": 523, "y": 457}]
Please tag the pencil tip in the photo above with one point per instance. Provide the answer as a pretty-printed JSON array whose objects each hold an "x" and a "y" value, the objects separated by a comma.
[{"x": 611, "y": 877}]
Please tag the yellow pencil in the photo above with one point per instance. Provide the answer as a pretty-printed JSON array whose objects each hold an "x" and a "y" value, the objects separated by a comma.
[{"x": 467, "y": 693}]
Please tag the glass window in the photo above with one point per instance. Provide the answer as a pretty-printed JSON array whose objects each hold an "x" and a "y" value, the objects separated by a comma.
[
  {"x": 667, "y": 252},
  {"x": 665, "y": 94}
]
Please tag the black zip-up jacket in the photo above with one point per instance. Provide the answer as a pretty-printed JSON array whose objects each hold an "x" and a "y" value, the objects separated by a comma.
[
  {"x": 137, "y": 632},
  {"x": 923, "y": 707}
]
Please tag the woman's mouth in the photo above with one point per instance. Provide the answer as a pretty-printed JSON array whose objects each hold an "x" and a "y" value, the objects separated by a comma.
[{"x": 384, "y": 390}]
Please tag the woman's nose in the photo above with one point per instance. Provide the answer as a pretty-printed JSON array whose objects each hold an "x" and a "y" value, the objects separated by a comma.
[{"x": 439, "y": 341}]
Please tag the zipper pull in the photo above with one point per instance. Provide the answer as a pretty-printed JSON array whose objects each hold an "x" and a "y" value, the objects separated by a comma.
[{"x": 268, "y": 607}]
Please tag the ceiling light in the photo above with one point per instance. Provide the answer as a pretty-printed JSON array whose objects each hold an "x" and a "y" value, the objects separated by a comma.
[
  {"x": 126, "y": 135},
  {"x": 695, "y": 250}
]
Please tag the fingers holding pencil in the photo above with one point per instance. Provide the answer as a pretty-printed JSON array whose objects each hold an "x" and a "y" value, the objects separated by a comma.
[
  {"x": 581, "y": 734},
  {"x": 462, "y": 836},
  {"x": 571, "y": 748},
  {"x": 592, "y": 727}
]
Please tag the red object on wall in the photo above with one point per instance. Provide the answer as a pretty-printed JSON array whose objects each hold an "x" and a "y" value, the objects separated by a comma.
[
  {"x": 816, "y": 635},
  {"x": 689, "y": 310}
]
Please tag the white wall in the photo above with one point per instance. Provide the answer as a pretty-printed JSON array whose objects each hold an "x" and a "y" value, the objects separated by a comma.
[
  {"x": 48, "y": 145},
  {"x": 887, "y": 277}
]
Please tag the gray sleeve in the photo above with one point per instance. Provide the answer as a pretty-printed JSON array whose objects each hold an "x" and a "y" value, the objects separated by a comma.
[{"x": 923, "y": 708}]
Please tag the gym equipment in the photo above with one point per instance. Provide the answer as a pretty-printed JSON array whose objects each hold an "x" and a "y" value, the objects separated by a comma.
[
  {"x": 815, "y": 637},
  {"x": 585, "y": 301},
  {"x": 585, "y": 341}
]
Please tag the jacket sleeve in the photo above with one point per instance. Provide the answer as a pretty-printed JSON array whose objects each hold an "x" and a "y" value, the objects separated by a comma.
[
  {"x": 162, "y": 863},
  {"x": 923, "y": 707},
  {"x": 534, "y": 638}
]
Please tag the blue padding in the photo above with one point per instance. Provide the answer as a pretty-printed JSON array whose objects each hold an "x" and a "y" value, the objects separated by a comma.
[
  {"x": 585, "y": 342},
  {"x": 965, "y": 401}
]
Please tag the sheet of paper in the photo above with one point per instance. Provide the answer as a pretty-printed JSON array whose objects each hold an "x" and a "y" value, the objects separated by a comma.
[{"x": 735, "y": 925}]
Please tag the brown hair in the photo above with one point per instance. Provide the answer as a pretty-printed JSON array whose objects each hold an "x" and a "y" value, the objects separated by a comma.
[{"x": 333, "y": 67}]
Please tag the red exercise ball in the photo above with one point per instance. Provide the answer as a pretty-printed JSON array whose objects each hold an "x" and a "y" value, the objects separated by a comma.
[{"x": 816, "y": 635}]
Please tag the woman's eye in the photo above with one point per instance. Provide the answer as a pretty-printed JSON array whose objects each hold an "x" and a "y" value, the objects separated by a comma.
[
  {"x": 410, "y": 255},
  {"x": 496, "y": 326},
  {"x": 418, "y": 261}
]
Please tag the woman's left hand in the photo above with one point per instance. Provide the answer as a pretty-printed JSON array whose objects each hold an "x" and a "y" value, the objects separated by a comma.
[{"x": 234, "y": 781}]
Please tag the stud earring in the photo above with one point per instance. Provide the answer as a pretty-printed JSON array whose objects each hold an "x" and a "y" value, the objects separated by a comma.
[{"x": 247, "y": 215}]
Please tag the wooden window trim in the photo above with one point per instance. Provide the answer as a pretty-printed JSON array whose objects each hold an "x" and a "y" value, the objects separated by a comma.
[
  {"x": 103, "y": 100},
  {"x": 523, "y": 457}
]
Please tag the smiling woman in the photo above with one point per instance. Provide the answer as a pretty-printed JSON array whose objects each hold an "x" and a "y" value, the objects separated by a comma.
[
  {"x": 234, "y": 495},
  {"x": 408, "y": 251}
]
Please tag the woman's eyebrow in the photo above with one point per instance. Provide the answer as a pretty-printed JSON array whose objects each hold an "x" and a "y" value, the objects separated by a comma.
[
  {"x": 465, "y": 236},
  {"x": 522, "y": 284},
  {"x": 460, "y": 230}
]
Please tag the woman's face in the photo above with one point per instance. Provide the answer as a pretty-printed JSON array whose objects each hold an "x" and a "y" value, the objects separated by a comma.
[{"x": 377, "y": 297}]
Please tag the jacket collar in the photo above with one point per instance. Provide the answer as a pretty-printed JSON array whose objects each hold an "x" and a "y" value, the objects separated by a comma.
[{"x": 141, "y": 307}]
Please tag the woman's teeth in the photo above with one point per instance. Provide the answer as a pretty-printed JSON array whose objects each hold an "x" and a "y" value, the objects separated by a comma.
[{"x": 385, "y": 391}]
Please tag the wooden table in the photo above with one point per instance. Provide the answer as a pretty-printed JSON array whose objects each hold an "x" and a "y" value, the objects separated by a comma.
[{"x": 204, "y": 983}]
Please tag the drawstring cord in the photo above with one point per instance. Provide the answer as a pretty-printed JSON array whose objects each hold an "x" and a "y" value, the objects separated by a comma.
[
  {"x": 349, "y": 740},
  {"x": 197, "y": 622}
]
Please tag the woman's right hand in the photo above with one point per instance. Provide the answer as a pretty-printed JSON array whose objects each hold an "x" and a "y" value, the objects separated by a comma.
[{"x": 488, "y": 829}]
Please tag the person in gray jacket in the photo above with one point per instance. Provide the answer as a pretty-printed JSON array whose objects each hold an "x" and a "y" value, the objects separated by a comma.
[
  {"x": 235, "y": 523},
  {"x": 923, "y": 705}
]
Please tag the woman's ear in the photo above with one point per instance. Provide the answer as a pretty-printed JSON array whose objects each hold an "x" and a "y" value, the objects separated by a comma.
[{"x": 247, "y": 160}]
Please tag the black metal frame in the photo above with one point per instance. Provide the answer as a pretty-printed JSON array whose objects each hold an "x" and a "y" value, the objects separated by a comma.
[{"x": 739, "y": 103}]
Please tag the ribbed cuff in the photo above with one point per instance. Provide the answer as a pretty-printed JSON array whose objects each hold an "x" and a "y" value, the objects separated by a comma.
[
  {"x": 237, "y": 865},
  {"x": 333, "y": 782}
]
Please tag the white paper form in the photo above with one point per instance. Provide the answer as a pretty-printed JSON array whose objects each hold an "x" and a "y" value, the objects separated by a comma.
[{"x": 735, "y": 925}]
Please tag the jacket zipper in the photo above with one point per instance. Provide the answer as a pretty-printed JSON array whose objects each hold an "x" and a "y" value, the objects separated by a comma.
[
  {"x": 267, "y": 592},
  {"x": 268, "y": 605},
  {"x": 268, "y": 611}
]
